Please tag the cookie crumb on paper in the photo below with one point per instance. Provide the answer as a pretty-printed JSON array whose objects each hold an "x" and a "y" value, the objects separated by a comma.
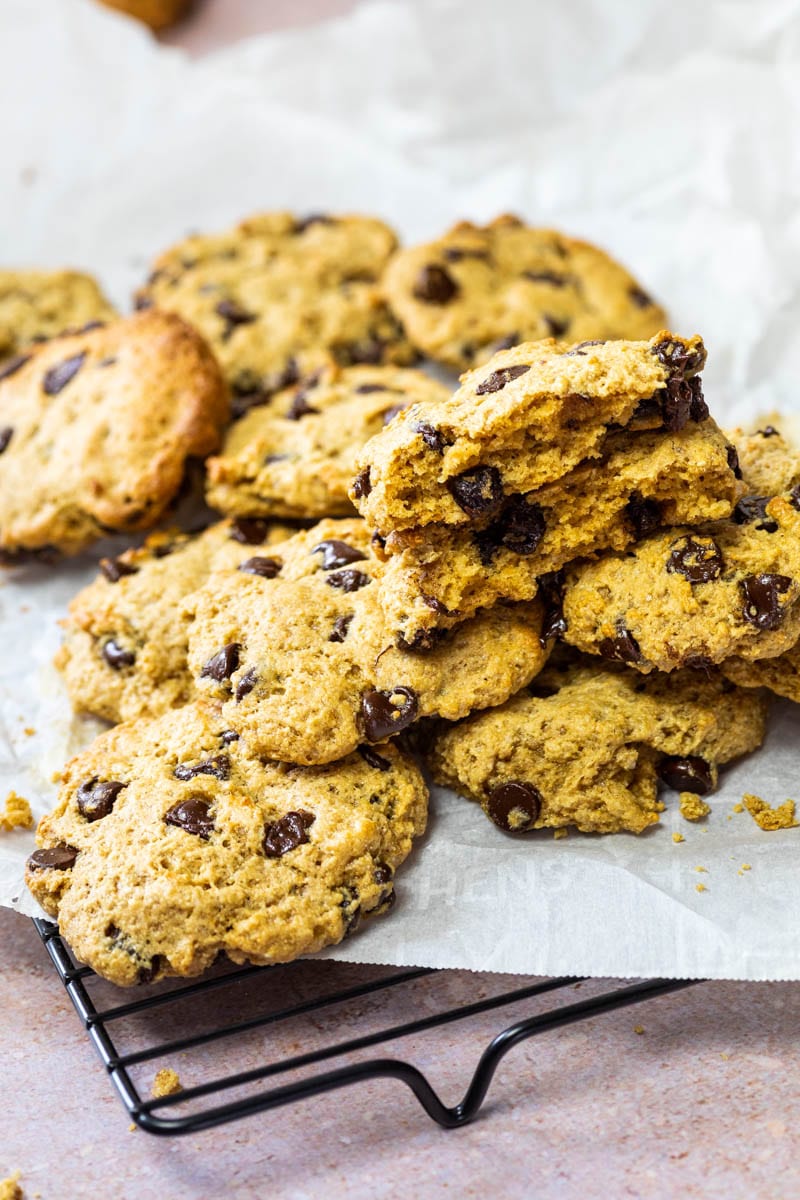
[
  {"x": 692, "y": 808},
  {"x": 166, "y": 1083},
  {"x": 678, "y": 838},
  {"x": 10, "y": 1189},
  {"x": 16, "y": 815},
  {"x": 767, "y": 817}
]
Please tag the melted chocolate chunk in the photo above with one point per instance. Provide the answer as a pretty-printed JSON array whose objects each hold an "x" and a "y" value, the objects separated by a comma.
[
  {"x": 374, "y": 759},
  {"x": 246, "y": 684},
  {"x": 192, "y": 816},
  {"x": 698, "y": 409},
  {"x": 733, "y": 461},
  {"x": 382, "y": 873},
  {"x": 300, "y": 408},
  {"x": 639, "y": 297},
  {"x": 115, "y": 568},
  {"x": 6, "y": 434},
  {"x": 514, "y": 807},
  {"x": 676, "y": 404},
  {"x": 794, "y": 497},
  {"x": 305, "y": 223},
  {"x": 267, "y": 568},
  {"x": 95, "y": 799},
  {"x": 57, "y": 858},
  {"x": 644, "y": 516},
  {"x": 580, "y": 349},
  {"x": 477, "y": 492},
  {"x": 116, "y": 656},
  {"x": 57, "y": 378},
  {"x": 223, "y": 664},
  {"x": 520, "y": 528},
  {"x": 550, "y": 277},
  {"x": 623, "y": 647},
  {"x": 698, "y": 560},
  {"x": 423, "y": 639},
  {"x": 219, "y": 766},
  {"x": 677, "y": 358},
  {"x": 762, "y": 606},
  {"x": 337, "y": 554},
  {"x": 389, "y": 414},
  {"x": 250, "y": 531},
  {"x": 287, "y": 833},
  {"x": 505, "y": 343},
  {"x": 12, "y": 365},
  {"x": 554, "y": 624},
  {"x": 433, "y": 438},
  {"x": 233, "y": 314},
  {"x": 228, "y": 736},
  {"x": 690, "y": 774},
  {"x": 435, "y": 285},
  {"x": 769, "y": 431},
  {"x": 361, "y": 484},
  {"x": 382, "y": 718},
  {"x": 437, "y": 605},
  {"x": 754, "y": 508},
  {"x": 340, "y": 627},
  {"x": 152, "y": 970},
  {"x": 555, "y": 326},
  {"x": 498, "y": 379},
  {"x": 348, "y": 581}
]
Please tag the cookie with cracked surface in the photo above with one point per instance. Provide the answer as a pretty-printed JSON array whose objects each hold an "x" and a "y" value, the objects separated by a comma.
[
  {"x": 482, "y": 287},
  {"x": 438, "y": 575},
  {"x": 296, "y": 457},
  {"x": 277, "y": 296},
  {"x": 523, "y": 420},
  {"x": 305, "y": 670},
  {"x": 126, "y": 636},
  {"x": 96, "y": 429},
  {"x": 587, "y": 744},
  {"x": 37, "y": 305},
  {"x": 171, "y": 843},
  {"x": 693, "y": 596}
]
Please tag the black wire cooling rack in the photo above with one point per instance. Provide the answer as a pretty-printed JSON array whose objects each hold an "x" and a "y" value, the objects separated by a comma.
[{"x": 180, "y": 1023}]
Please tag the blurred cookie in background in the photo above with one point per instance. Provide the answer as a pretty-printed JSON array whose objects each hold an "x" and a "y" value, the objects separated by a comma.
[{"x": 158, "y": 14}]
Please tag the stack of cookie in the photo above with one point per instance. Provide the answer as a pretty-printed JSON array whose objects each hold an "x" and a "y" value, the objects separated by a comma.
[{"x": 498, "y": 580}]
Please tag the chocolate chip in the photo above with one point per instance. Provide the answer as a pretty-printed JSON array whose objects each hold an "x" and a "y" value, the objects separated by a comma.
[
  {"x": 505, "y": 343},
  {"x": 153, "y": 969},
  {"x": 246, "y": 684},
  {"x": 498, "y": 379},
  {"x": 250, "y": 531},
  {"x": 348, "y": 581},
  {"x": 676, "y": 404},
  {"x": 555, "y": 325},
  {"x": 228, "y": 736},
  {"x": 12, "y": 365},
  {"x": 267, "y": 568},
  {"x": 435, "y": 285},
  {"x": 433, "y": 438},
  {"x": 116, "y": 656},
  {"x": 623, "y": 647},
  {"x": 478, "y": 491},
  {"x": 690, "y": 774},
  {"x": 337, "y": 554},
  {"x": 340, "y": 627},
  {"x": 514, "y": 807},
  {"x": 374, "y": 759},
  {"x": 698, "y": 409},
  {"x": 57, "y": 858},
  {"x": 233, "y": 314},
  {"x": 644, "y": 516},
  {"x": 698, "y": 560},
  {"x": 287, "y": 833},
  {"x": 382, "y": 873},
  {"x": 794, "y": 497},
  {"x": 140, "y": 303},
  {"x": 457, "y": 253},
  {"x": 423, "y": 639},
  {"x": 59, "y": 376},
  {"x": 300, "y": 408},
  {"x": 579, "y": 349},
  {"x": 768, "y": 431},
  {"x": 223, "y": 664},
  {"x": 382, "y": 718},
  {"x": 437, "y": 605},
  {"x": 115, "y": 568},
  {"x": 754, "y": 508},
  {"x": 389, "y": 414},
  {"x": 545, "y": 277},
  {"x": 640, "y": 298},
  {"x": 366, "y": 389},
  {"x": 305, "y": 223},
  {"x": 554, "y": 624},
  {"x": 368, "y": 352},
  {"x": 192, "y": 816},
  {"x": 361, "y": 484},
  {"x": 96, "y": 800},
  {"x": 520, "y": 528},
  {"x": 219, "y": 766},
  {"x": 6, "y": 434},
  {"x": 762, "y": 593},
  {"x": 677, "y": 358},
  {"x": 733, "y": 461}
]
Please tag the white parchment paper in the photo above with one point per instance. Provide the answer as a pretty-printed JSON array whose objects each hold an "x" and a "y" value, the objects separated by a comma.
[{"x": 667, "y": 131}]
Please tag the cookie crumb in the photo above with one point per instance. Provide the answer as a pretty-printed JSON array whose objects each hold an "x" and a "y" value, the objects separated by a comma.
[
  {"x": 132, "y": 1127},
  {"x": 560, "y": 833},
  {"x": 29, "y": 731},
  {"x": 638, "y": 1029},
  {"x": 737, "y": 808},
  {"x": 692, "y": 808},
  {"x": 700, "y": 887},
  {"x": 166, "y": 1083},
  {"x": 767, "y": 817},
  {"x": 704, "y": 869},
  {"x": 746, "y": 867},
  {"x": 678, "y": 837},
  {"x": 10, "y": 1189},
  {"x": 55, "y": 777},
  {"x": 725, "y": 1057},
  {"x": 16, "y": 814}
]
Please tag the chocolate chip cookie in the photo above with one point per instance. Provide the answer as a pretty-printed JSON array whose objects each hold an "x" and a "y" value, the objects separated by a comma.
[
  {"x": 96, "y": 428},
  {"x": 276, "y": 296},
  {"x": 126, "y": 635},
  {"x": 769, "y": 463},
  {"x": 587, "y": 744},
  {"x": 36, "y": 305},
  {"x": 478, "y": 289},
  {"x": 296, "y": 457},
  {"x": 171, "y": 843},
  {"x": 298, "y": 655}
]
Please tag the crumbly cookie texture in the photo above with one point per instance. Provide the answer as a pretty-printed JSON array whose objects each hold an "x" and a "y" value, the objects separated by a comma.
[
  {"x": 587, "y": 744},
  {"x": 158, "y": 14},
  {"x": 171, "y": 843},
  {"x": 166, "y": 1083},
  {"x": 436, "y": 576},
  {"x": 526, "y": 418},
  {"x": 693, "y": 597},
  {"x": 126, "y": 634},
  {"x": 296, "y": 650},
  {"x": 479, "y": 288},
  {"x": 276, "y": 296},
  {"x": 15, "y": 814},
  {"x": 769, "y": 463},
  {"x": 96, "y": 428},
  {"x": 296, "y": 457},
  {"x": 36, "y": 305},
  {"x": 780, "y": 674},
  {"x": 767, "y": 817}
]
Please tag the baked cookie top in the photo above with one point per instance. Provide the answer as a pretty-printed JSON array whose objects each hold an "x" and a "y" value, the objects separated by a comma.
[
  {"x": 171, "y": 844},
  {"x": 36, "y": 305},
  {"x": 586, "y": 743},
  {"x": 95, "y": 430},
  {"x": 126, "y": 634},
  {"x": 296, "y": 456},
  {"x": 479, "y": 288},
  {"x": 693, "y": 596},
  {"x": 524, "y": 419},
  {"x": 276, "y": 296},
  {"x": 299, "y": 657}
]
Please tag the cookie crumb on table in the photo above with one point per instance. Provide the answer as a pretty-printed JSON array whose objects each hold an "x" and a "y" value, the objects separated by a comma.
[
  {"x": 677, "y": 838},
  {"x": 767, "y": 817},
  {"x": 16, "y": 815},
  {"x": 10, "y": 1189},
  {"x": 638, "y": 1029},
  {"x": 692, "y": 808},
  {"x": 166, "y": 1083},
  {"x": 558, "y": 834},
  {"x": 700, "y": 887}
]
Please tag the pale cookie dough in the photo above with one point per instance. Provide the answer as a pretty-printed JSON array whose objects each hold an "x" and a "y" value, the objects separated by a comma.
[
  {"x": 276, "y": 296},
  {"x": 37, "y": 305},
  {"x": 171, "y": 844},
  {"x": 305, "y": 670},
  {"x": 479, "y": 288},
  {"x": 96, "y": 429},
  {"x": 296, "y": 457},
  {"x": 586, "y": 744}
]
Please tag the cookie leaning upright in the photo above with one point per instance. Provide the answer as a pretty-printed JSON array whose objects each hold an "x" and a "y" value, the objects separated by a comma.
[
  {"x": 37, "y": 305},
  {"x": 95, "y": 430},
  {"x": 276, "y": 296},
  {"x": 479, "y": 288}
]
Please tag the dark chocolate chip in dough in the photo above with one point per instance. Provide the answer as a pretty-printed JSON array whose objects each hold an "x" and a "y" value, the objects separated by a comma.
[
  {"x": 336, "y": 553},
  {"x": 579, "y": 350},
  {"x": 250, "y": 531},
  {"x": 233, "y": 314},
  {"x": 57, "y": 378},
  {"x": 520, "y": 528},
  {"x": 698, "y": 559},
  {"x": 549, "y": 277},
  {"x": 435, "y": 285},
  {"x": 762, "y": 606},
  {"x": 300, "y": 408},
  {"x": 116, "y": 656},
  {"x": 361, "y": 484},
  {"x": 733, "y": 461},
  {"x": 228, "y": 736},
  {"x": 219, "y": 766},
  {"x": 267, "y": 568},
  {"x": 689, "y": 774},
  {"x": 365, "y": 389},
  {"x": 340, "y": 627},
  {"x": 246, "y": 684},
  {"x": 498, "y": 379},
  {"x": 477, "y": 492},
  {"x": 754, "y": 508},
  {"x": 192, "y": 816},
  {"x": 677, "y": 359},
  {"x": 223, "y": 663},
  {"x": 643, "y": 515},
  {"x": 287, "y": 833},
  {"x": 56, "y": 858},
  {"x": 554, "y": 623},
  {"x": 6, "y": 434},
  {"x": 556, "y": 326},
  {"x": 769, "y": 431},
  {"x": 458, "y": 253},
  {"x": 12, "y": 365},
  {"x": 305, "y": 223},
  {"x": 115, "y": 568},
  {"x": 382, "y": 872},
  {"x": 433, "y": 438},
  {"x": 514, "y": 807},
  {"x": 623, "y": 647},
  {"x": 96, "y": 799},
  {"x": 348, "y": 581},
  {"x": 640, "y": 298},
  {"x": 374, "y": 759},
  {"x": 382, "y": 717}
]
